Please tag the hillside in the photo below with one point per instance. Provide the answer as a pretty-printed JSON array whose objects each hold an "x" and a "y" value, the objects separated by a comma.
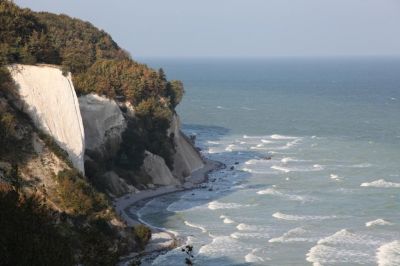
[{"x": 80, "y": 124}]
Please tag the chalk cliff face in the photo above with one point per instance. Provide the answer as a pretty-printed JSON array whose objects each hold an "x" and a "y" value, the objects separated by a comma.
[
  {"x": 95, "y": 124},
  {"x": 103, "y": 123},
  {"x": 159, "y": 172},
  {"x": 186, "y": 159},
  {"x": 50, "y": 100}
]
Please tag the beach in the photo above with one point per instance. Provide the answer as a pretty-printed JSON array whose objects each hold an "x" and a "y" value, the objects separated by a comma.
[{"x": 161, "y": 240}]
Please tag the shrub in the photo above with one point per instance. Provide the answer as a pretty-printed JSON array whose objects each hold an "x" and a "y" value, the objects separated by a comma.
[
  {"x": 142, "y": 235},
  {"x": 77, "y": 196},
  {"x": 8, "y": 125},
  {"x": 175, "y": 92},
  {"x": 28, "y": 235},
  {"x": 96, "y": 248}
]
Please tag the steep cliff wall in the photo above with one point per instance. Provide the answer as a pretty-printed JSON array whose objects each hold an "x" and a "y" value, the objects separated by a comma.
[
  {"x": 49, "y": 99},
  {"x": 186, "y": 159},
  {"x": 103, "y": 123}
]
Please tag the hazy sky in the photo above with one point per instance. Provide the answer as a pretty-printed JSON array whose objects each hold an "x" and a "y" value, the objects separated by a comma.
[{"x": 241, "y": 28}]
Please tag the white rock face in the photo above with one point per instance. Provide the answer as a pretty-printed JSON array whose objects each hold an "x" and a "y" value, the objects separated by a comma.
[
  {"x": 50, "y": 100},
  {"x": 186, "y": 159},
  {"x": 159, "y": 172},
  {"x": 103, "y": 122},
  {"x": 116, "y": 185}
]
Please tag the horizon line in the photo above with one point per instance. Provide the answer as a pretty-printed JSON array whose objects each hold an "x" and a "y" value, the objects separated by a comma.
[{"x": 266, "y": 56}]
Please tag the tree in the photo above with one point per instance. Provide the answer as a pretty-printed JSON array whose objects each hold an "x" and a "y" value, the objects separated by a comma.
[{"x": 175, "y": 92}]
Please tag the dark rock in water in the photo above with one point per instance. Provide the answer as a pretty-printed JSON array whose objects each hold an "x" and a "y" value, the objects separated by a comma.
[
  {"x": 236, "y": 163},
  {"x": 267, "y": 158},
  {"x": 232, "y": 167},
  {"x": 210, "y": 189},
  {"x": 213, "y": 180},
  {"x": 193, "y": 194}
]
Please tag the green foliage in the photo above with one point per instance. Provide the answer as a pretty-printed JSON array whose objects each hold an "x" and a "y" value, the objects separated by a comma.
[
  {"x": 23, "y": 38},
  {"x": 155, "y": 119},
  {"x": 133, "y": 81},
  {"x": 28, "y": 235},
  {"x": 77, "y": 196},
  {"x": 6, "y": 83},
  {"x": 79, "y": 43},
  {"x": 54, "y": 147},
  {"x": 175, "y": 92},
  {"x": 96, "y": 248},
  {"x": 142, "y": 235},
  {"x": 29, "y": 227},
  {"x": 98, "y": 65},
  {"x": 8, "y": 126},
  {"x": 131, "y": 155}
]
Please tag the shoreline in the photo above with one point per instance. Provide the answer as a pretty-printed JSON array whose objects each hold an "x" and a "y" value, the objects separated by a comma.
[{"x": 162, "y": 240}]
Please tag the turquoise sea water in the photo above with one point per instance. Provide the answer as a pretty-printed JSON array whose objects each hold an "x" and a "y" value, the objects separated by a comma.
[{"x": 329, "y": 195}]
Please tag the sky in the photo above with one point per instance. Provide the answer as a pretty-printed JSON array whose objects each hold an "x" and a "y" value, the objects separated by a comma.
[{"x": 241, "y": 28}]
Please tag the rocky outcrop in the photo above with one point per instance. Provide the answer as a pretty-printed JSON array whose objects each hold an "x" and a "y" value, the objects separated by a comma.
[
  {"x": 103, "y": 122},
  {"x": 116, "y": 185},
  {"x": 50, "y": 100},
  {"x": 186, "y": 159},
  {"x": 159, "y": 172}
]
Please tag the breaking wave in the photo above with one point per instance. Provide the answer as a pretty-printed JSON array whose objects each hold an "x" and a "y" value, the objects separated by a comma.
[
  {"x": 381, "y": 183},
  {"x": 289, "y": 217}
]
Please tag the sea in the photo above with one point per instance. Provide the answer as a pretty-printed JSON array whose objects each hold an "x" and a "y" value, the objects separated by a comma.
[{"x": 312, "y": 154}]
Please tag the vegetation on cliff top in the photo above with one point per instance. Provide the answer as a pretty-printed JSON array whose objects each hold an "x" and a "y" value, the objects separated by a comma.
[
  {"x": 79, "y": 225},
  {"x": 98, "y": 65}
]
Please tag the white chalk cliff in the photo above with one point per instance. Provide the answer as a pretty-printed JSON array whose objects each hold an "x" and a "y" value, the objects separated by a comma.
[
  {"x": 186, "y": 159},
  {"x": 104, "y": 123},
  {"x": 159, "y": 172},
  {"x": 50, "y": 100},
  {"x": 93, "y": 123}
]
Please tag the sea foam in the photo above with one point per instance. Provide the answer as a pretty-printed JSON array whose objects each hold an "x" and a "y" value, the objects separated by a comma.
[
  {"x": 335, "y": 177},
  {"x": 216, "y": 205},
  {"x": 227, "y": 220},
  {"x": 282, "y": 137},
  {"x": 293, "y": 235},
  {"x": 389, "y": 254},
  {"x": 288, "y": 159},
  {"x": 275, "y": 192},
  {"x": 281, "y": 168},
  {"x": 196, "y": 226},
  {"x": 377, "y": 222},
  {"x": 246, "y": 227},
  {"x": 343, "y": 247},
  {"x": 381, "y": 183},
  {"x": 289, "y": 217},
  {"x": 221, "y": 245},
  {"x": 252, "y": 258}
]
